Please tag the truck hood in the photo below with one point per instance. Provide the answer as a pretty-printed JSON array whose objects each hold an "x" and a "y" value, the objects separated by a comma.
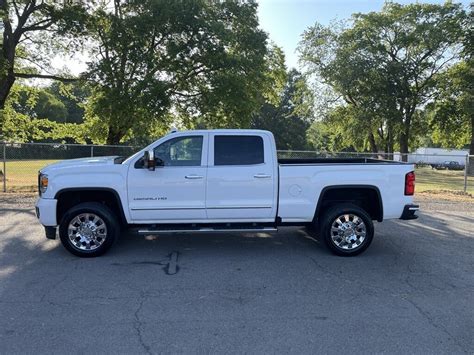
[{"x": 82, "y": 162}]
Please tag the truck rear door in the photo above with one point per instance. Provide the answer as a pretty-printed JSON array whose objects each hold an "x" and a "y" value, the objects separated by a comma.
[{"x": 240, "y": 178}]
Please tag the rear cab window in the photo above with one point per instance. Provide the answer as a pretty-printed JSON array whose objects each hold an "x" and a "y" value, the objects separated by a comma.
[{"x": 238, "y": 150}]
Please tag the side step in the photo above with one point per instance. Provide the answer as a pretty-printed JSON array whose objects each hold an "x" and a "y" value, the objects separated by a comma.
[{"x": 208, "y": 230}]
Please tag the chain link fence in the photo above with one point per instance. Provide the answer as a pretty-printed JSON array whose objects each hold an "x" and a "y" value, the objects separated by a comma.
[{"x": 20, "y": 163}]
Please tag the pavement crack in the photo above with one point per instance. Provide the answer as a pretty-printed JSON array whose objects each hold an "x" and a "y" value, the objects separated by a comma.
[
  {"x": 138, "y": 324},
  {"x": 432, "y": 322},
  {"x": 54, "y": 287}
]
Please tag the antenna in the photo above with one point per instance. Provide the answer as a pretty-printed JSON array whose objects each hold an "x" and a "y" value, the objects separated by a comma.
[{"x": 173, "y": 130}]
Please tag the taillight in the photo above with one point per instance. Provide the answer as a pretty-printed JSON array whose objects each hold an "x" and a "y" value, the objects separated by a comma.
[{"x": 410, "y": 183}]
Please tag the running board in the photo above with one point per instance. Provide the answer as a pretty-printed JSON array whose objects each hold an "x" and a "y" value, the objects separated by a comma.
[{"x": 207, "y": 230}]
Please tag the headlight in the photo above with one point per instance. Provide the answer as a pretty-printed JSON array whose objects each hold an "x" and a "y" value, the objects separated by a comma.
[{"x": 43, "y": 183}]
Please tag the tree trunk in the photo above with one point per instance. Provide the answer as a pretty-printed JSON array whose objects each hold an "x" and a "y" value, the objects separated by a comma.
[
  {"x": 404, "y": 146},
  {"x": 405, "y": 135},
  {"x": 7, "y": 59},
  {"x": 389, "y": 143},
  {"x": 373, "y": 144},
  {"x": 114, "y": 135},
  {"x": 7, "y": 64},
  {"x": 6, "y": 83}
]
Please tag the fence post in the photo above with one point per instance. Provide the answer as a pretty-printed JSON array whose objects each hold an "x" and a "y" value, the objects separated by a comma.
[
  {"x": 466, "y": 167},
  {"x": 92, "y": 151},
  {"x": 4, "y": 167}
]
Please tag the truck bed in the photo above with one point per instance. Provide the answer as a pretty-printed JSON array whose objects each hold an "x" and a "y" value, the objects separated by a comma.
[
  {"x": 309, "y": 161},
  {"x": 302, "y": 181}
]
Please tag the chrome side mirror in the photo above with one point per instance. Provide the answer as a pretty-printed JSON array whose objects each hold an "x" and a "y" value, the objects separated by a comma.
[{"x": 149, "y": 160}]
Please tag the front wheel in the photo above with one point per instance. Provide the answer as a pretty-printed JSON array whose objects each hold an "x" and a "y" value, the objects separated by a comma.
[
  {"x": 346, "y": 229},
  {"x": 88, "y": 229}
]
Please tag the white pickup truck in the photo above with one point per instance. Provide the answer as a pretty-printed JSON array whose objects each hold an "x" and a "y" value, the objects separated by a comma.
[{"x": 220, "y": 181}]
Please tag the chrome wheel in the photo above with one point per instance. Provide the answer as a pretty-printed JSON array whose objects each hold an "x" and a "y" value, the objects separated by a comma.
[
  {"x": 87, "y": 231},
  {"x": 348, "y": 231}
]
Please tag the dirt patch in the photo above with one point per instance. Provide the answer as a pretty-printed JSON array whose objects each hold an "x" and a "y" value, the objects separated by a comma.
[
  {"x": 18, "y": 200},
  {"x": 445, "y": 195}
]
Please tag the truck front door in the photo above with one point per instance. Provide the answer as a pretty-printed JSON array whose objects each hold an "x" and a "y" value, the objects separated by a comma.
[{"x": 176, "y": 191}]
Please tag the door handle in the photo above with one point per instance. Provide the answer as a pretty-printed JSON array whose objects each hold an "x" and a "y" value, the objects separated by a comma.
[
  {"x": 193, "y": 177},
  {"x": 262, "y": 176}
]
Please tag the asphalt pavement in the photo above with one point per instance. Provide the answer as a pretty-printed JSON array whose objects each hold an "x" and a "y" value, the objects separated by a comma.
[{"x": 412, "y": 291}]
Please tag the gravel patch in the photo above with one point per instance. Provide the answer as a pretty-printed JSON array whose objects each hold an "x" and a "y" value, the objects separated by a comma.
[
  {"x": 445, "y": 202},
  {"x": 18, "y": 200}
]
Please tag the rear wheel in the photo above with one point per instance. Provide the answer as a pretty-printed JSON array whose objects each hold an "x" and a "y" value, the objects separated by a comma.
[
  {"x": 346, "y": 229},
  {"x": 88, "y": 229}
]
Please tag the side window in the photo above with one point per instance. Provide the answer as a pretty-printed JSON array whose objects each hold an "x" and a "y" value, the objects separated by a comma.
[
  {"x": 181, "y": 151},
  {"x": 238, "y": 150}
]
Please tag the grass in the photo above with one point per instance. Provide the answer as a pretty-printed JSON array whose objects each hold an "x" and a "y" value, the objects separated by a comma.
[
  {"x": 428, "y": 179},
  {"x": 22, "y": 176}
]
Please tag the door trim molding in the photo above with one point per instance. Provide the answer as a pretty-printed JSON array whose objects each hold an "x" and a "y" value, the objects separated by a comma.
[
  {"x": 167, "y": 208},
  {"x": 238, "y": 207}
]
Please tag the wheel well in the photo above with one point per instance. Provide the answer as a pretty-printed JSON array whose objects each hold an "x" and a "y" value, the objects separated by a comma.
[
  {"x": 366, "y": 197},
  {"x": 72, "y": 197}
]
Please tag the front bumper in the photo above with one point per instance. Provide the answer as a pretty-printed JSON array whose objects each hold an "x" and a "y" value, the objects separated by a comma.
[
  {"x": 409, "y": 212},
  {"x": 46, "y": 211}
]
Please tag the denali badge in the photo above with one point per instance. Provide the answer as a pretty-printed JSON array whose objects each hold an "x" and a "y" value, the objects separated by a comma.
[{"x": 150, "y": 198}]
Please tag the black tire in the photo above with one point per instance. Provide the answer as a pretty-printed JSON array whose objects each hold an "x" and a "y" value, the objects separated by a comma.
[
  {"x": 108, "y": 217},
  {"x": 331, "y": 215}
]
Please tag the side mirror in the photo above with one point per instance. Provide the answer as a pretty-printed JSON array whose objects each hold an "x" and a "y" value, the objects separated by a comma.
[{"x": 149, "y": 160}]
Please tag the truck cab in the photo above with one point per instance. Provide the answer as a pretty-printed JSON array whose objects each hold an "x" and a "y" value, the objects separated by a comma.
[{"x": 209, "y": 175}]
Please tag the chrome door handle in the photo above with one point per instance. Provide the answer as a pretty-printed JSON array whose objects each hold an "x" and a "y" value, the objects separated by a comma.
[
  {"x": 193, "y": 177},
  {"x": 262, "y": 176}
]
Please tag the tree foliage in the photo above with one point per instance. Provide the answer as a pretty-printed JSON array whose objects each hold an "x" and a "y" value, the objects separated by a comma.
[
  {"x": 452, "y": 113},
  {"x": 73, "y": 96},
  {"x": 32, "y": 31},
  {"x": 193, "y": 58},
  {"x": 289, "y": 119},
  {"x": 22, "y": 122},
  {"x": 384, "y": 65}
]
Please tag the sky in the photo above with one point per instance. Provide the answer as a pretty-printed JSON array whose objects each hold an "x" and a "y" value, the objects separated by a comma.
[{"x": 286, "y": 20}]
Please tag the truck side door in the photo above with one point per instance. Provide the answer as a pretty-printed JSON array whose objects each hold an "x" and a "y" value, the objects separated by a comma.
[
  {"x": 176, "y": 191},
  {"x": 241, "y": 179}
]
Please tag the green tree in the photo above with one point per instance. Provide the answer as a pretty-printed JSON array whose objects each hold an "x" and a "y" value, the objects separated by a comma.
[
  {"x": 23, "y": 124},
  {"x": 46, "y": 105},
  {"x": 32, "y": 31},
  {"x": 204, "y": 61},
  {"x": 385, "y": 64},
  {"x": 322, "y": 138},
  {"x": 289, "y": 119},
  {"x": 452, "y": 113},
  {"x": 62, "y": 103},
  {"x": 340, "y": 131},
  {"x": 74, "y": 98}
]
